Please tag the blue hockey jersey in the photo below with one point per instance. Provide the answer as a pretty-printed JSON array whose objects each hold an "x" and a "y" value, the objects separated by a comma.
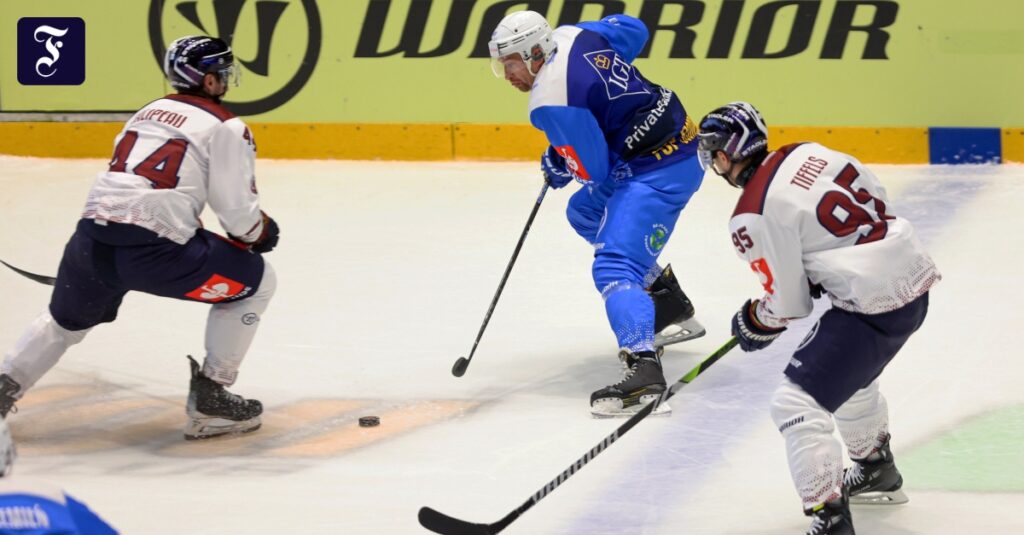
[
  {"x": 599, "y": 112},
  {"x": 29, "y": 507}
]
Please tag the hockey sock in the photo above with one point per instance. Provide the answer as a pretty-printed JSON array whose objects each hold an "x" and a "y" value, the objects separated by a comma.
[
  {"x": 231, "y": 327},
  {"x": 631, "y": 315},
  {"x": 863, "y": 422},
  {"x": 39, "y": 348},
  {"x": 815, "y": 456}
]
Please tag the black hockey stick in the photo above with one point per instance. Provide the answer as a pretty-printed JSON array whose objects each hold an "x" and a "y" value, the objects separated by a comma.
[
  {"x": 50, "y": 281},
  {"x": 462, "y": 363},
  {"x": 446, "y": 525}
]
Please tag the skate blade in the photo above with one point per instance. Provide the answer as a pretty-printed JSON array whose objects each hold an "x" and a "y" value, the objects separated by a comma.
[
  {"x": 603, "y": 409},
  {"x": 199, "y": 428},
  {"x": 895, "y": 497},
  {"x": 679, "y": 332}
]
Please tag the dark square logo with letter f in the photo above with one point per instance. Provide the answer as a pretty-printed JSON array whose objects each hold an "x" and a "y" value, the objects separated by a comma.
[{"x": 51, "y": 51}]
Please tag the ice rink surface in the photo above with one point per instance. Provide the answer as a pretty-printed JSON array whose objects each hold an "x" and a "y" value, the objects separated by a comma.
[{"x": 385, "y": 272}]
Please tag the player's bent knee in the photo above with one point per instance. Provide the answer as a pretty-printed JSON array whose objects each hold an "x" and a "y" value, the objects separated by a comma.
[
  {"x": 268, "y": 284},
  {"x": 794, "y": 410},
  {"x": 609, "y": 269},
  {"x": 55, "y": 330}
]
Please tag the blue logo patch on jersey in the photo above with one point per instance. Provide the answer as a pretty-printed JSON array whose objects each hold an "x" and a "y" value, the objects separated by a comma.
[
  {"x": 51, "y": 51},
  {"x": 618, "y": 75}
]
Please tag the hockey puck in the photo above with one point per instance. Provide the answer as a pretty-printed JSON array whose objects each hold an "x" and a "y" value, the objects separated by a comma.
[{"x": 369, "y": 421}]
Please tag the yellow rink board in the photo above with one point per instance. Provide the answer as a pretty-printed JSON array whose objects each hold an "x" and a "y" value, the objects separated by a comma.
[{"x": 447, "y": 141}]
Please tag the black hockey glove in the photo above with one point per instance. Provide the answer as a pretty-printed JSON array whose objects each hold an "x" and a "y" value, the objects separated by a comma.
[
  {"x": 553, "y": 166},
  {"x": 268, "y": 238},
  {"x": 817, "y": 290},
  {"x": 751, "y": 333}
]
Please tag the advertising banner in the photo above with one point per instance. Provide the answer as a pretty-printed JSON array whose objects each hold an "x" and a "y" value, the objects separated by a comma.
[{"x": 869, "y": 63}]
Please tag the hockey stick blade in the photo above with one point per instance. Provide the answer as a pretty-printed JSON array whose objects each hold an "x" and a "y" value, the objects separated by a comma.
[
  {"x": 439, "y": 522},
  {"x": 460, "y": 367},
  {"x": 446, "y": 525},
  {"x": 42, "y": 279}
]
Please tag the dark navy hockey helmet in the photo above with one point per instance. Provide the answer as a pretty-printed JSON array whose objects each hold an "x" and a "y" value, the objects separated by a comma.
[
  {"x": 737, "y": 129},
  {"x": 189, "y": 58}
]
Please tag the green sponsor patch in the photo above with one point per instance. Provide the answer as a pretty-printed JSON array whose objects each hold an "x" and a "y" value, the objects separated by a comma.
[{"x": 984, "y": 454}]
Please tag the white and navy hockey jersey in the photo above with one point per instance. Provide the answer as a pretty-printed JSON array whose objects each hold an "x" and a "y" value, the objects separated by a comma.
[
  {"x": 597, "y": 109},
  {"x": 33, "y": 507},
  {"x": 171, "y": 158},
  {"x": 814, "y": 216}
]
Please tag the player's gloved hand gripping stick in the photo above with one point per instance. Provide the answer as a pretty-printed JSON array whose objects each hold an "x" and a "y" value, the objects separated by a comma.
[
  {"x": 462, "y": 363},
  {"x": 444, "y": 524}
]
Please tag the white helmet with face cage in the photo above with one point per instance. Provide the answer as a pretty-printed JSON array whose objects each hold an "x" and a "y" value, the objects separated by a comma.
[{"x": 525, "y": 33}]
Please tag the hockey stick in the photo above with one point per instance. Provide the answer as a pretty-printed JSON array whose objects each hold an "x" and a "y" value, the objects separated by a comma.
[
  {"x": 43, "y": 279},
  {"x": 441, "y": 523},
  {"x": 462, "y": 363}
]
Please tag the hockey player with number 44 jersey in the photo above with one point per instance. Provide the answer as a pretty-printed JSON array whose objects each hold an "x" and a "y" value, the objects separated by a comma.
[
  {"x": 140, "y": 231},
  {"x": 814, "y": 220}
]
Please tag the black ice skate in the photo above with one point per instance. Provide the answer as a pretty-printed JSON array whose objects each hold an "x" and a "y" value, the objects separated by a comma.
[
  {"x": 875, "y": 482},
  {"x": 8, "y": 389},
  {"x": 213, "y": 411},
  {"x": 642, "y": 383},
  {"x": 832, "y": 518},
  {"x": 673, "y": 312}
]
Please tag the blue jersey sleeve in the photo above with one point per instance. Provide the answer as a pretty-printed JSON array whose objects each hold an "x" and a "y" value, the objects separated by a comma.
[
  {"x": 626, "y": 34},
  {"x": 575, "y": 134},
  {"x": 87, "y": 522}
]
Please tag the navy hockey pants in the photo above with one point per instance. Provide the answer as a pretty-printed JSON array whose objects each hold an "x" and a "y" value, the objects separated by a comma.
[
  {"x": 102, "y": 263},
  {"x": 846, "y": 351}
]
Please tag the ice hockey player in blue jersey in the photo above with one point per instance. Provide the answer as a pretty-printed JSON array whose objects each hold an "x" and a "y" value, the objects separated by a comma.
[
  {"x": 30, "y": 507},
  {"x": 632, "y": 145}
]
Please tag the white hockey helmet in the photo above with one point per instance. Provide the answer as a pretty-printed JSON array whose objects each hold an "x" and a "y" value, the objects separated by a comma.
[
  {"x": 7, "y": 451},
  {"x": 526, "y": 33}
]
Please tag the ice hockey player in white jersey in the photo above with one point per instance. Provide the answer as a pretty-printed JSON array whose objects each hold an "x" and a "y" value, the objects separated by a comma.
[
  {"x": 34, "y": 507},
  {"x": 140, "y": 231},
  {"x": 813, "y": 220}
]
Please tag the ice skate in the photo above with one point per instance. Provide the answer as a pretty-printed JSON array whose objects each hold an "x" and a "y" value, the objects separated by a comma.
[
  {"x": 875, "y": 482},
  {"x": 674, "y": 319},
  {"x": 8, "y": 389},
  {"x": 642, "y": 383},
  {"x": 213, "y": 411},
  {"x": 832, "y": 518}
]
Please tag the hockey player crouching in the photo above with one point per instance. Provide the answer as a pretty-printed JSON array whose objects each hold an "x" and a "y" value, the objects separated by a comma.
[
  {"x": 632, "y": 145},
  {"x": 140, "y": 230},
  {"x": 813, "y": 218}
]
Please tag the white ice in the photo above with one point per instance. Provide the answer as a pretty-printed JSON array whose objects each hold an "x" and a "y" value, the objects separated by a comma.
[{"x": 385, "y": 272}]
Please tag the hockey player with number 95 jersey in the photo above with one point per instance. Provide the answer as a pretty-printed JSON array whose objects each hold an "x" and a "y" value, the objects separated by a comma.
[
  {"x": 140, "y": 231},
  {"x": 812, "y": 220}
]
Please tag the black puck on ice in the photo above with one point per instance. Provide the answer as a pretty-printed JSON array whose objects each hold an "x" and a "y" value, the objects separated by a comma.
[{"x": 369, "y": 421}]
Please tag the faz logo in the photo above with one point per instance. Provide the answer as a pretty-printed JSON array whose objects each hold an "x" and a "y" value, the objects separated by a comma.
[
  {"x": 277, "y": 67},
  {"x": 573, "y": 162},
  {"x": 51, "y": 51},
  {"x": 618, "y": 75},
  {"x": 217, "y": 289}
]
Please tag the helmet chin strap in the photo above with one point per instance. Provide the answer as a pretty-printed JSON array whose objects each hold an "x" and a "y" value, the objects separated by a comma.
[
  {"x": 748, "y": 172},
  {"x": 537, "y": 57}
]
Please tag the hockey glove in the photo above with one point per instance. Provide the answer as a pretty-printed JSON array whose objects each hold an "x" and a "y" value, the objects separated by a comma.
[
  {"x": 268, "y": 238},
  {"x": 552, "y": 165},
  {"x": 752, "y": 334}
]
